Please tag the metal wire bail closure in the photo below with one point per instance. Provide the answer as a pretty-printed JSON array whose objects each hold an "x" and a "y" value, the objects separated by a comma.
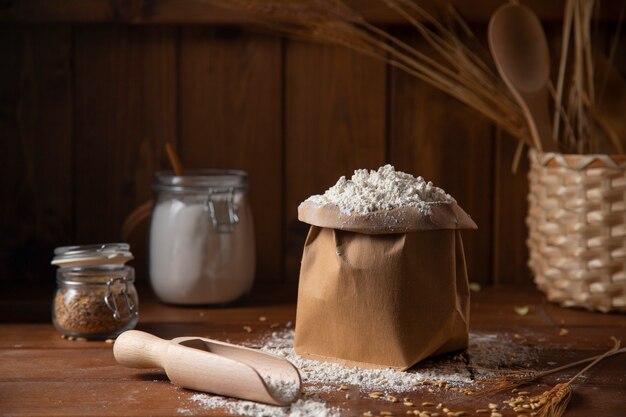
[
  {"x": 111, "y": 302},
  {"x": 221, "y": 208}
]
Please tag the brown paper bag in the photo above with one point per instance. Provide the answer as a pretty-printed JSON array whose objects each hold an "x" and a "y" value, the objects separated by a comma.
[{"x": 384, "y": 289}]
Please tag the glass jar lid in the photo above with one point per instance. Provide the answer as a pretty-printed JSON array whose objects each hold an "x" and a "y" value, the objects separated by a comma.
[
  {"x": 88, "y": 255},
  {"x": 201, "y": 180}
]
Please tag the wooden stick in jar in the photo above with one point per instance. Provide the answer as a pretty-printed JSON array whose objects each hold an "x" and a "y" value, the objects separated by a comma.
[{"x": 174, "y": 160}]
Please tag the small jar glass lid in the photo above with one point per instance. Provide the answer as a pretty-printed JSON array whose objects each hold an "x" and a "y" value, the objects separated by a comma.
[
  {"x": 201, "y": 180},
  {"x": 97, "y": 254}
]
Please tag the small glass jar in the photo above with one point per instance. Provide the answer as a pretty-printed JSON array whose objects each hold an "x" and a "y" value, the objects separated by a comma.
[
  {"x": 95, "y": 297},
  {"x": 202, "y": 247}
]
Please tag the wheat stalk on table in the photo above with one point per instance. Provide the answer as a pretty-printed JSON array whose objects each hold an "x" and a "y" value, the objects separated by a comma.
[{"x": 553, "y": 402}]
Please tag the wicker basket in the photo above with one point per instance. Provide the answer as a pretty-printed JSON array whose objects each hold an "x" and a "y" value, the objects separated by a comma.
[{"x": 577, "y": 229}]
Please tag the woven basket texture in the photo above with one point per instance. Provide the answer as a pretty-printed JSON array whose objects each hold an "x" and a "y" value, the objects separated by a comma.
[{"x": 577, "y": 229}]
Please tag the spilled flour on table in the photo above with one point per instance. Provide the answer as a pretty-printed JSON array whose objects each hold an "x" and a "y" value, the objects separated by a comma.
[
  {"x": 487, "y": 353},
  {"x": 300, "y": 408}
]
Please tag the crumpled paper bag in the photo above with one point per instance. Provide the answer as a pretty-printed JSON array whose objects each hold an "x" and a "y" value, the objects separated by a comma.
[{"x": 386, "y": 289}]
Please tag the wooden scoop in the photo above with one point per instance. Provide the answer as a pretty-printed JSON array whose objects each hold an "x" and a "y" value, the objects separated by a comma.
[{"x": 211, "y": 366}]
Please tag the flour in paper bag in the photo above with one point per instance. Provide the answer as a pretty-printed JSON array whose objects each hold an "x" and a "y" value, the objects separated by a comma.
[{"x": 384, "y": 189}]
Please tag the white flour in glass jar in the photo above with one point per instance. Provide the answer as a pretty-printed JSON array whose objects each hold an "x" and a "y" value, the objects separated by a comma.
[{"x": 191, "y": 261}]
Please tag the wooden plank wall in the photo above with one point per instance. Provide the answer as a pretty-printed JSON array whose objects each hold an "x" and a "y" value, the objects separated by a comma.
[{"x": 85, "y": 110}]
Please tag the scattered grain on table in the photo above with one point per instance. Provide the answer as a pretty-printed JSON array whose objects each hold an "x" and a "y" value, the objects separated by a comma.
[{"x": 521, "y": 310}]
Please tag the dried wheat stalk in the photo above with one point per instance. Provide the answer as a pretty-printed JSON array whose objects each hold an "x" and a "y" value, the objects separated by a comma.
[
  {"x": 553, "y": 402},
  {"x": 575, "y": 92},
  {"x": 514, "y": 380},
  {"x": 558, "y": 112},
  {"x": 459, "y": 70}
]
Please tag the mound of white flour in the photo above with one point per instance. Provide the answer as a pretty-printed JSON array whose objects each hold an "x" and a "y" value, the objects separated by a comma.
[{"x": 385, "y": 189}]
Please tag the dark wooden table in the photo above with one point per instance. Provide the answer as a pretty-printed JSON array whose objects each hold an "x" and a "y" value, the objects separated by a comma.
[{"x": 43, "y": 374}]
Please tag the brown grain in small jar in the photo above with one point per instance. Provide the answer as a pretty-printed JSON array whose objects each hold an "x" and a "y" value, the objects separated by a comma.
[{"x": 96, "y": 297}]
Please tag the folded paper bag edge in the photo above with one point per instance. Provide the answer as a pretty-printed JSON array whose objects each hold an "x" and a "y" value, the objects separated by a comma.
[{"x": 398, "y": 220}]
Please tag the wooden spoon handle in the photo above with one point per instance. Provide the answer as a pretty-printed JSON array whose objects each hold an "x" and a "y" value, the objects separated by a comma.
[
  {"x": 137, "y": 349},
  {"x": 539, "y": 118}
]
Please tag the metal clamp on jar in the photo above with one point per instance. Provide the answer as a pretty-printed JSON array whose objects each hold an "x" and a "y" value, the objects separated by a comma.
[
  {"x": 202, "y": 237},
  {"x": 221, "y": 207},
  {"x": 95, "y": 297}
]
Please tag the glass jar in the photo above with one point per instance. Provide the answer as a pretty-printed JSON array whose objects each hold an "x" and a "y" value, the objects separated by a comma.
[
  {"x": 95, "y": 297},
  {"x": 202, "y": 237}
]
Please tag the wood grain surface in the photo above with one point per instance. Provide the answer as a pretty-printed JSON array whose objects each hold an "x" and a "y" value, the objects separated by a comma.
[
  {"x": 42, "y": 374},
  {"x": 36, "y": 124},
  {"x": 334, "y": 124},
  {"x": 509, "y": 249},
  {"x": 230, "y": 117},
  {"x": 125, "y": 112},
  {"x": 85, "y": 110},
  {"x": 195, "y": 11},
  {"x": 450, "y": 145}
]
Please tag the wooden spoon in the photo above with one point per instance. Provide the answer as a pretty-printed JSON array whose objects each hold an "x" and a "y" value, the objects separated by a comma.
[
  {"x": 211, "y": 366},
  {"x": 520, "y": 50}
]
